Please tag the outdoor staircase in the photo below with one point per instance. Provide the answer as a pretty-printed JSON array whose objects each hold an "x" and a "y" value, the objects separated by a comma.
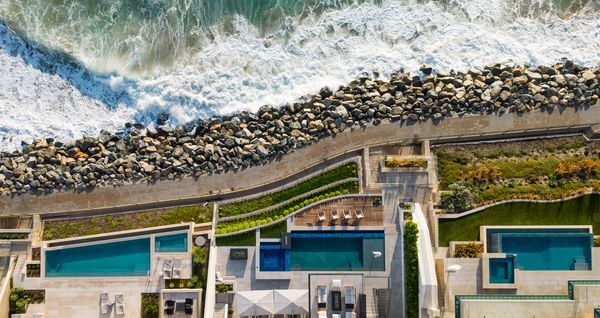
[
  {"x": 371, "y": 306},
  {"x": 382, "y": 301}
]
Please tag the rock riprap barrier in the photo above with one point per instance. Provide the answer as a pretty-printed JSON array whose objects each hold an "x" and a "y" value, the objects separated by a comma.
[{"x": 229, "y": 143}]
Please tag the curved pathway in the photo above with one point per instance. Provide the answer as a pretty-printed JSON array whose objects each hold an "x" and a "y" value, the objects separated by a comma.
[{"x": 294, "y": 165}]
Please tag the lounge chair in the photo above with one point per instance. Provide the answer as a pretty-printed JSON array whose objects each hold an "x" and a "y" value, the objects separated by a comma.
[
  {"x": 359, "y": 214},
  {"x": 168, "y": 268},
  {"x": 347, "y": 215},
  {"x": 322, "y": 314},
  {"x": 336, "y": 316},
  {"x": 119, "y": 304},
  {"x": 349, "y": 297},
  {"x": 188, "y": 306},
  {"x": 169, "y": 307},
  {"x": 350, "y": 314},
  {"x": 177, "y": 268},
  {"x": 322, "y": 297},
  {"x": 334, "y": 215},
  {"x": 321, "y": 216},
  {"x": 336, "y": 295},
  {"x": 104, "y": 303}
]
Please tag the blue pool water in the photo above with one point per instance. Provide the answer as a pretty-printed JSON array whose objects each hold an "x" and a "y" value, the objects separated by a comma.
[
  {"x": 540, "y": 249},
  {"x": 273, "y": 258},
  {"x": 125, "y": 258},
  {"x": 171, "y": 243},
  {"x": 326, "y": 251},
  {"x": 502, "y": 270}
]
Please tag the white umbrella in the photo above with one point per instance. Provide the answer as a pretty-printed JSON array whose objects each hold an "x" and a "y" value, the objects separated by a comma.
[
  {"x": 254, "y": 303},
  {"x": 290, "y": 301}
]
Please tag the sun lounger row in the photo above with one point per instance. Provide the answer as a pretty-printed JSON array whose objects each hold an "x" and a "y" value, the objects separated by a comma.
[
  {"x": 349, "y": 299},
  {"x": 188, "y": 307},
  {"x": 346, "y": 215},
  {"x": 106, "y": 305}
]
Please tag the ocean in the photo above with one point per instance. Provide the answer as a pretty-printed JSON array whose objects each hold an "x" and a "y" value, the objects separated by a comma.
[{"x": 70, "y": 68}]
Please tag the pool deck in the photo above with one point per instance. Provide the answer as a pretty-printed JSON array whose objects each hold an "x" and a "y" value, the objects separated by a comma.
[
  {"x": 79, "y": 297},
  {"x": 373, "y": 214}
]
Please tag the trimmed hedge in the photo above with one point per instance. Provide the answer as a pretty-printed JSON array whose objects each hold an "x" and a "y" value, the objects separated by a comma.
[
  {"x": 274, "y": 231},
  {"x": 340, "y": 173},
  {"x": 241, "y": 239},
  {"x": 280, "y": 213},
  {"x": 411, "y": 269}
]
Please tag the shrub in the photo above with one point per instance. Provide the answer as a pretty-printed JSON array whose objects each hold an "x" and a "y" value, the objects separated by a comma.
[
  {"x": 411, "y": 270},
  {"x": 395, "y": 162},
  {"x": 18, "y": 301},
  {"x": 459, "y": 197},
  {"x": 223, "y": 288},
  {"x": 149, "y": 305},
  {"x": 199, "y": 256},
  {"x": 469, "y": 250}
]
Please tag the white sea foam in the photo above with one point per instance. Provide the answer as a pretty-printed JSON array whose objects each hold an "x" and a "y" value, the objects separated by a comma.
[{"x": 241, "y": 69}]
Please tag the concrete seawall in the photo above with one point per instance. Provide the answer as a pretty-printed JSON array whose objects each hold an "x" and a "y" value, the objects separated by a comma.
[{"x": 305, "y": 160}]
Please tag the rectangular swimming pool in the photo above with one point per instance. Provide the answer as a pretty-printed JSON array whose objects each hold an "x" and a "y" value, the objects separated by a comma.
[
  {"x": 123, "y": 258},
  {"x": 326, "y": 251},
  {"x": 541, "y": 249},
  {"x": 171, "y": 243}
]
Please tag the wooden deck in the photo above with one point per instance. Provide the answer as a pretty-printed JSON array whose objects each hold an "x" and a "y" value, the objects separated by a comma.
[{"x": 373, "y": 216}]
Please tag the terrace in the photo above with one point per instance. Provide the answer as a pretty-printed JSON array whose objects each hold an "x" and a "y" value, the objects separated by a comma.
[{"x": 372, "y": 214}]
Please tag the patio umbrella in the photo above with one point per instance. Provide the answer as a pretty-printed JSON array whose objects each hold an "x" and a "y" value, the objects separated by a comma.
[
  {"x": 290, "y": 301},
  {"x": 254, "y": 303}
]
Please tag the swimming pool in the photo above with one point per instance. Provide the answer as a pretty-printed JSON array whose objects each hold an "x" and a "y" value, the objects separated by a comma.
[
  {"x": 544, "y": 249},
  {"x": 326, "y": 251},
  {"x": 171, "y": 243},
  {"x": 123, "y": 258}
]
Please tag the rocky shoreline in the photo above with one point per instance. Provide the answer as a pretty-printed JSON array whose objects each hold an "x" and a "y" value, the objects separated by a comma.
[{"x": 230, "y": 143}]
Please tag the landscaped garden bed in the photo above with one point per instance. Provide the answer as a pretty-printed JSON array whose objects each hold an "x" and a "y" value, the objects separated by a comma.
[
  {"x": 397, "y": 162},
  {"x": 274, "y": 231},
  {"x": 468, "y": 250},
  {"x": 20, "y": 298},
  {"x": 150, "y": 305},
  {"x": 472, "y": 176},
  {"x": 340, "y": 173},
  {"x": 279, "y": 213},
  {"x": 33, "y": 270},
  {"x": 584, "y": 210},
  {"x": 247, "y": 238},
  {"x": 411, "y": 269},
  {"x": 125, "y": 221},
  {"x": 13, "y": 236},
  {"x": 199, "y": 271}
]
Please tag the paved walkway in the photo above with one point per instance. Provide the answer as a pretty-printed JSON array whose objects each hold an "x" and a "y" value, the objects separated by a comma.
[{"x": 294, "y": 165}]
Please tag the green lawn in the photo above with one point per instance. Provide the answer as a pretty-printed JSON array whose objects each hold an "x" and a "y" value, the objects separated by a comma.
[
  {"x": 584, "y": 210},
  {"x": 242, "y": 239},
  {"x": 275, "y": 230}
]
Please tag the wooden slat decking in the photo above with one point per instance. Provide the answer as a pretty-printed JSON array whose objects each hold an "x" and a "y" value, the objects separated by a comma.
[{"x": 373, "y": 215}]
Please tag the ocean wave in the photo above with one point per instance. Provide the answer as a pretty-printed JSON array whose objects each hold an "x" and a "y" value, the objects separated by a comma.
[{"x": 232, "y": 59}]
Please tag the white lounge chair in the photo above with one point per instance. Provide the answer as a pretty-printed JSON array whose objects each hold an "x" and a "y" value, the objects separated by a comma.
[
  {"x": 321, "y": 216},
  {"x": 347, "y": 215},
  {"x": 168, "y": 268},
  {"x": 349, "y": 298},
  {"x": 350, "y": 314},
  {"x": 322, "y": 297},
  {"x": 359, "y": 214},
  {"x": 334, "y": 215},
  {"x": 219, "y": 277},
  {"x": 104, "y": 303},
  {"x": 322, "y": 314},
  {"x": 119, "y": 304},
  {"x": 336, "y": 316},
  {"x": 177, "y": 268}
]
